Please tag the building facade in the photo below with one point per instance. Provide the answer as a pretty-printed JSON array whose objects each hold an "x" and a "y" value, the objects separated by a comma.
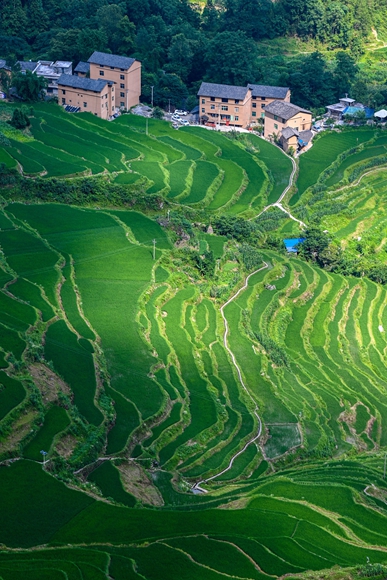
[
  {"x": 87, "y": 95},
  {"x": 123, "y": 71},
  {"x": 280, "y": 115},
  {"x": 235, "y": 105},
  {"x": 114, "y": 84}
]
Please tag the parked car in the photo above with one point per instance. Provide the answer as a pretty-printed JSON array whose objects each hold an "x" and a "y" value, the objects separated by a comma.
[
  {"x": 176, "y": 117},
  {"x": 184, "y": 122},
  {"x": 180, "y": 112}
]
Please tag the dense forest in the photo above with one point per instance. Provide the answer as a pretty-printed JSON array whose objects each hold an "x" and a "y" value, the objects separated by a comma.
[{"x": 180, "y": 44}]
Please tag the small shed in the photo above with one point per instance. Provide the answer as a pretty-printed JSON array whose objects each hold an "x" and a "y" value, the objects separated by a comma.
[{"x": 291, "y": 244}]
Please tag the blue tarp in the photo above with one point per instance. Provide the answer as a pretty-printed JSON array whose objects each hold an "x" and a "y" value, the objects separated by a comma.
[
  {"x": 292, "y": 243},
  {"x": 353, "y": 110}
]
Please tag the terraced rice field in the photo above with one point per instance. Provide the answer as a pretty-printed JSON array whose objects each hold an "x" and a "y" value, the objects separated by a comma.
[
  {"x": 190, "y": 166},
  {"x": 116, "y": 363}
]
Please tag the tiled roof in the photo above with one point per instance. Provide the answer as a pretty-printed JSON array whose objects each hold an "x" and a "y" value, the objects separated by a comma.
[
  {"x": 105, "y": 59},
  {"x": 82, "y": 83},
  {"x": 82, "y": 67},
  {"x": 284, "y": 110},
  {"x": 27, "y": 65},
  {"x": 268, "y": 91},
  {"x": 306, "y": 136},
  {"x": 222, "y": 91},
  {"x": 288, "y": 132},
  {"x": 3, "y": 64}
]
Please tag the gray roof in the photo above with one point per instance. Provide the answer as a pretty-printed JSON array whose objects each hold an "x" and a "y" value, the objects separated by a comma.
[
  {"x": 288, "y": 132},
  {"x": 268, "y": 91},
  {"x": 105, "y": 59},
  {"x": 82, "y": 67},
  {"x": 3, "y": 64},
  {"x": 284, "y": 110},
  {"x": 222, "y": 91},
  {"x": 82, "y": 83},
  {"x": 305, "y": 135},
  {"x": 27, "y": 65}
]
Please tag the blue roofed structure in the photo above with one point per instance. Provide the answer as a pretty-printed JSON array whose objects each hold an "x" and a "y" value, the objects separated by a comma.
[{"x": 291, "y": 244}]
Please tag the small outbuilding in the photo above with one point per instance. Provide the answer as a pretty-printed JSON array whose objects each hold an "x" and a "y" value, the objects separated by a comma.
[
  {"x": 381, "y": 115},
  {"x": 291, "y": 244}
]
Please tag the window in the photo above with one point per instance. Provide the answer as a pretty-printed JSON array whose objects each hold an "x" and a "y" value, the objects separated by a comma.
[
  {"x": 122, "y": 77},
  {"x": 122, "y": 104},
  {"x": 85, "y": 104},
  {"x": 113, "y": 98},
  {"x": 122, "y": 94},
  {"x": 275, "y": 117},
  {"x": 254, "y": 105},
  {"x": 212, "y": 98},
  {"x": 237, "y": 118},
  {"x": 263, "y": 98},
  {"x": 254, "y": 98},
  {"x": 203, "y": 101},
  {"x": 102, "y": 73},
  {"x": 296, "y": 128},
  {"x": 236, "y": 109},
  {"x": 203, "y": 110},
  {"x": 122, "y": 69},
  {"x": 212, "y": 107},
  {"x": 224, "y": 100},
  {"x": 263, "y": 106},
  {"x": 275, "y": 126},
  {"x": 254, "y": 114},
  {"x": 262, "y": 115},
  {"x": 122, "y": 86},
  {"x": 236, "y": 101},
  {"x": 112, "y": 67},
  {"x": 224, "y": 108},
  {"x": 101, "y": 66},
  {"x": 63, "y": 101},
  {"x": 283, "y": 121},
  {"x": 63, "y": 92}
]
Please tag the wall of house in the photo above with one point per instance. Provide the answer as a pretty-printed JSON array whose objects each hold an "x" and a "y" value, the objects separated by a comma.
[
  {"x": 100, "y": 104},
  {"x": 291, "y": 142},
  {"x": 258, "y": 105},
  {"x": 226, "y": 111},
  {"x": 300, "y": 121},
  {"x": 127, "y": 83}
]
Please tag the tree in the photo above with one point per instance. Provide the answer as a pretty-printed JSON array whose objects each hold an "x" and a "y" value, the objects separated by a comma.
[
  {"x": 29, "y": 86},
  {"x": 37, "y": 20},
  {"x": 157, "y": 113},
  {"x": 13, "y": 20},
  {"x": 344, "y": 74},
  {"x": 316, "y": 242},
  {"x": 19, "y": 119},
  {"x": 231, "y": 58}
]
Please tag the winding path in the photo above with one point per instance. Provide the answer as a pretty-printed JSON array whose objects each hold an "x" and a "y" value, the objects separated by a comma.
[
  {"x": 196, "y": 486},
  {"x": 278, "y": 203}
]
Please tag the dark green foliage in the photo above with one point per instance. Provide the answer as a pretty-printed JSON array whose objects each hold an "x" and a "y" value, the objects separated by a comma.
[
  {"x": 29, "y": 86},
  {"x": 370, "y": 569},
  {"x": 205, "y": 263},
  {"x": 19, "y": 119},
  {"x": 235, "y": 227},
  {"x": 273, "y": 350},
  {"x": 251, "y": 258}
]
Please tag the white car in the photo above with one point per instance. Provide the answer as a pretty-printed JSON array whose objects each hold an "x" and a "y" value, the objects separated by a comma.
[
  {"x": 184, "y": 122},
  {"x": 180, "y": 112},
  {"x": 176, "y": 117}
]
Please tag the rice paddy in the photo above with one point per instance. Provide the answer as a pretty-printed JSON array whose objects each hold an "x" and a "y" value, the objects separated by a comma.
[{"x": 263, "y": 448}]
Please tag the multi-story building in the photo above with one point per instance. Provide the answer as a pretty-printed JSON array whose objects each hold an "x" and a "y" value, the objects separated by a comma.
[
  {"x": 88, "y": 95},
  {"x": 290, "y": 123},
  {"x": 51, "y": 71},
  {"x": 114, "y": 83},
  {"x": 125, "y": 72},
  {"x": 235, "y": 105}
]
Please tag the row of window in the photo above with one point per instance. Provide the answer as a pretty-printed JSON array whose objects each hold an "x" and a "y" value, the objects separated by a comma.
[
  {"x": 122, "y": 104},
  {"x": 236, "y": 101},
  {"x": 111, "y": 67},
  {"x": 236, "y": 109},
  {"x": 282, "y": 120},
  {"x": 122, "y": 77}
]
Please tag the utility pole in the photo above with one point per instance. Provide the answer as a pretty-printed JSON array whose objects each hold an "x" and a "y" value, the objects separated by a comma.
[
  {"x": 152, "y": 87},
  {"x": 146, "y": 125},
  {"x": 169, "y": 105},
  {"x": 168, "y": 212},
  {"x": 154, "y": 249}
]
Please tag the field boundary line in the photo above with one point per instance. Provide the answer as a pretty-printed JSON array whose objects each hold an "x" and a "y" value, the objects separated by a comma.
[{"x": 196, "y": 486}]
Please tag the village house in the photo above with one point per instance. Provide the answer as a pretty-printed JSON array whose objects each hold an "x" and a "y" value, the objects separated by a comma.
[
  {"x": 88, "y": 95},
  {"x": 114, "y": 83},
  {"x": 235, "y": 105},
  {"x": 49, "y": 70},
  {"x": 289, "y": 123}
]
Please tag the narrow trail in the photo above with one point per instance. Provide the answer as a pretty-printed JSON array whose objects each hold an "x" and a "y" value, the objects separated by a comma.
[
  {"x": 278, "y": 203},
  {"x": 197, "y": 485}
]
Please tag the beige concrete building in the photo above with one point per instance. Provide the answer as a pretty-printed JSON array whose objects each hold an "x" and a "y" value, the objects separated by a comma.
[
  {"x": 114, "y": 83},
  {"x": 97, "y": 97},
  {"x": 125, "y": 72},
  {"x": 290, "y": 123},
  {"x": 235, "y": 105}
]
